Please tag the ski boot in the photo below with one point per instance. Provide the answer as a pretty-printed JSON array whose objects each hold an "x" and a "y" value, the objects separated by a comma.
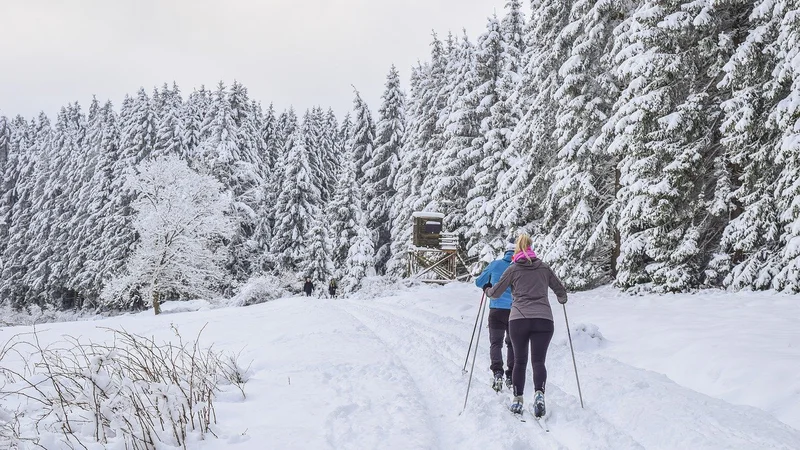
[
  {"x": 538, "y": 404},
  {"x": 497, "y": 384},
  {"x": 509, "y": 384},
  {"x": 516, "y": 405}
]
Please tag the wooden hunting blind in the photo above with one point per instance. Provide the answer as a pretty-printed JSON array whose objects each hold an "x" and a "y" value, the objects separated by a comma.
[
  {"x": 435, "y": 255},
  {"x": 427, "y": 229}
]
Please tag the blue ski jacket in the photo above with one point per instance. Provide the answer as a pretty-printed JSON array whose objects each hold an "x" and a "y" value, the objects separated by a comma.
[{"x": 492, "y": 274}]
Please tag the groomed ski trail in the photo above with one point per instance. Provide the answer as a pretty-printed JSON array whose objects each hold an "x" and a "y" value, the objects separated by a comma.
[
  {"x": 626, "y": 407},
  {"x": 439, "y": 379},
  {"x": 418, "y": 340}
]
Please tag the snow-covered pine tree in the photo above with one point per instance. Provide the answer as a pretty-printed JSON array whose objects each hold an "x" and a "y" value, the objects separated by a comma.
[
  {"x": 235, "y": 164},
  {"x": 524, "y": 186},
  {"x": 5, "y": 138},
  {"x": 9, "y": 172},
  {"x": 751, "y": 246},
  {"x": 8, "y": 180},
  {"x": 138, "y": 127},
  {"x": 423, "y": 139},
  {"x": 318, "y": 264},
  {"x": 252, "y": 175},
  {"x": 118, "y": 236},
  {"x": 181, "y": 220},
  {"x": 248, "y": 126},
  {"x": 343, "y": 213},
  {"x": 38, "y": 254},
  {"x": 64, "y": 183},
  {"x": 286, "y": 121},
  {"x": 17, "y": 211},
  {"x": 269, "y": 134},
  {"x": 312, "y": 133},
  {"x": 512, "y": 27},
  {"x": 102, "y": 257},
  {"x": 157, "y": 108},
  {"x": 454, "y": 174},
  {"x": 344, "y": 135},
  {"x": 219, "y": 151},
  {"x": 428, "y": 133},
  {"x": 436, "y": 110},
  {"x": 787, "y": 118},
  {"x": 296, "y": 207},
  {"x": 171, "y": 132},
  {"x": 579, "y": 237},
  {"x": 405, "y": 197},
  {"x": 353, "y": 246},
  {"x": 505, "y": 114},
  {"x": 287, "y": 125},
  {"x": 194, "y": 115},
  {"x": 255, "y": 124},
  {"x": 269, "y": 193},
  {"x": 331, "y": 157},
  {"x": 240, "y": 103},
  {"x": 665, "y": 138},
  {"x": 360, "y": 257},
  {"x": 83, "y": 234},
  {"x": 362, "y": 137},
  {"x": 496, "y": 123},
  {"x": 381, "y": 169}
]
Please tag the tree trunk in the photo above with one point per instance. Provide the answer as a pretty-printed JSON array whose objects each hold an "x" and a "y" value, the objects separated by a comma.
[{"x": 156, "y": 304}]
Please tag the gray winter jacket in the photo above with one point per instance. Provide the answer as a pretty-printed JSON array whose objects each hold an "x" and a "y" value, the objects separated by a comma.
[{"x": 529, "y": 281}]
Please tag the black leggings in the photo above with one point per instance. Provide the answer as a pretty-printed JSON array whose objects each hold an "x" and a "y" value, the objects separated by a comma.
[{"x": 537, "y": 333}]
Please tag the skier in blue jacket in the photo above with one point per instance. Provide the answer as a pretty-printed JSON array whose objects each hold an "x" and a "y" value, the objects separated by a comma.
[{"x": 499, "y": 310}]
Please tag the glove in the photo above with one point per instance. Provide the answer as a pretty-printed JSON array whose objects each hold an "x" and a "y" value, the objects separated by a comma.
[
  {"x": 562, "y": 300},
  {"x": 486, "y": 286}
]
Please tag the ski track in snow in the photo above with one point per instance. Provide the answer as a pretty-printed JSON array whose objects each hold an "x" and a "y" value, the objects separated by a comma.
[
  {"x": 403, "y": 415},
  {"x": 387, "y": 373},
  {"x": 438, "y": 377},
  {"x": 591, "y": 433},
  {"x": 641, "y": 409}
]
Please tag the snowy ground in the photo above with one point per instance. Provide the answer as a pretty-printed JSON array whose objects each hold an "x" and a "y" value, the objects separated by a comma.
[{"x": 696, "y": 371}]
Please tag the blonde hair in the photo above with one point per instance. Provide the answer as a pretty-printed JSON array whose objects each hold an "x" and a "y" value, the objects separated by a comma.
[{"x": 523, "y": 243}]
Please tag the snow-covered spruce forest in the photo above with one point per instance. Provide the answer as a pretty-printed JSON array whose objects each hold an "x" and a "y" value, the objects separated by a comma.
[{"x": 652, "y": 144}]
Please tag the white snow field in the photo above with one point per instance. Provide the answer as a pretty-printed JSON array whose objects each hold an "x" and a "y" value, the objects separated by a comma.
[{"x": 706, "y": 371}]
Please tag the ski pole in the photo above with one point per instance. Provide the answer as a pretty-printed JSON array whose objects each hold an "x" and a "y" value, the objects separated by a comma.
[
  {"x": 474, "y": 357},
  {"x": 569, "y": 335},
  {"x": 475, "y": 327}
]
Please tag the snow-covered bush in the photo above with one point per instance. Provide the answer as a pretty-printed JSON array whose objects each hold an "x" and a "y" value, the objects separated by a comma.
[
  {"x": 259, "y": 290},
  {"x": 34, "y": 314},
  {"x": 134, "y": 393},
  {"x": 585, "y": 337}
]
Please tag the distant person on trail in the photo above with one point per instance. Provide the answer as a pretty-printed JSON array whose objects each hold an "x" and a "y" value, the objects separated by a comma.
[
  {"x": 308, "y": 288},
  {"x": 531, "y": 320},
  {"x": 332, "y": 287},
  {"x": 499, "y": 311}
]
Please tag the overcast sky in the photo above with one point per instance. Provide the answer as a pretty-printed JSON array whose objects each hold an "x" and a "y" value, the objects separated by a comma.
[{"x": 300, "y": 52}]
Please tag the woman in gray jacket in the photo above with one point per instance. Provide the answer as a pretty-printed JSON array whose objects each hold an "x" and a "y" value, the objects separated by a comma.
[{"x": 531, "y": 319}]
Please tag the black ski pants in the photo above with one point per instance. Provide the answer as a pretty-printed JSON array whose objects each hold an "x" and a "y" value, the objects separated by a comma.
[
  {"x": 498, "y": 329},
  {"x": 537, "y": 333}
]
